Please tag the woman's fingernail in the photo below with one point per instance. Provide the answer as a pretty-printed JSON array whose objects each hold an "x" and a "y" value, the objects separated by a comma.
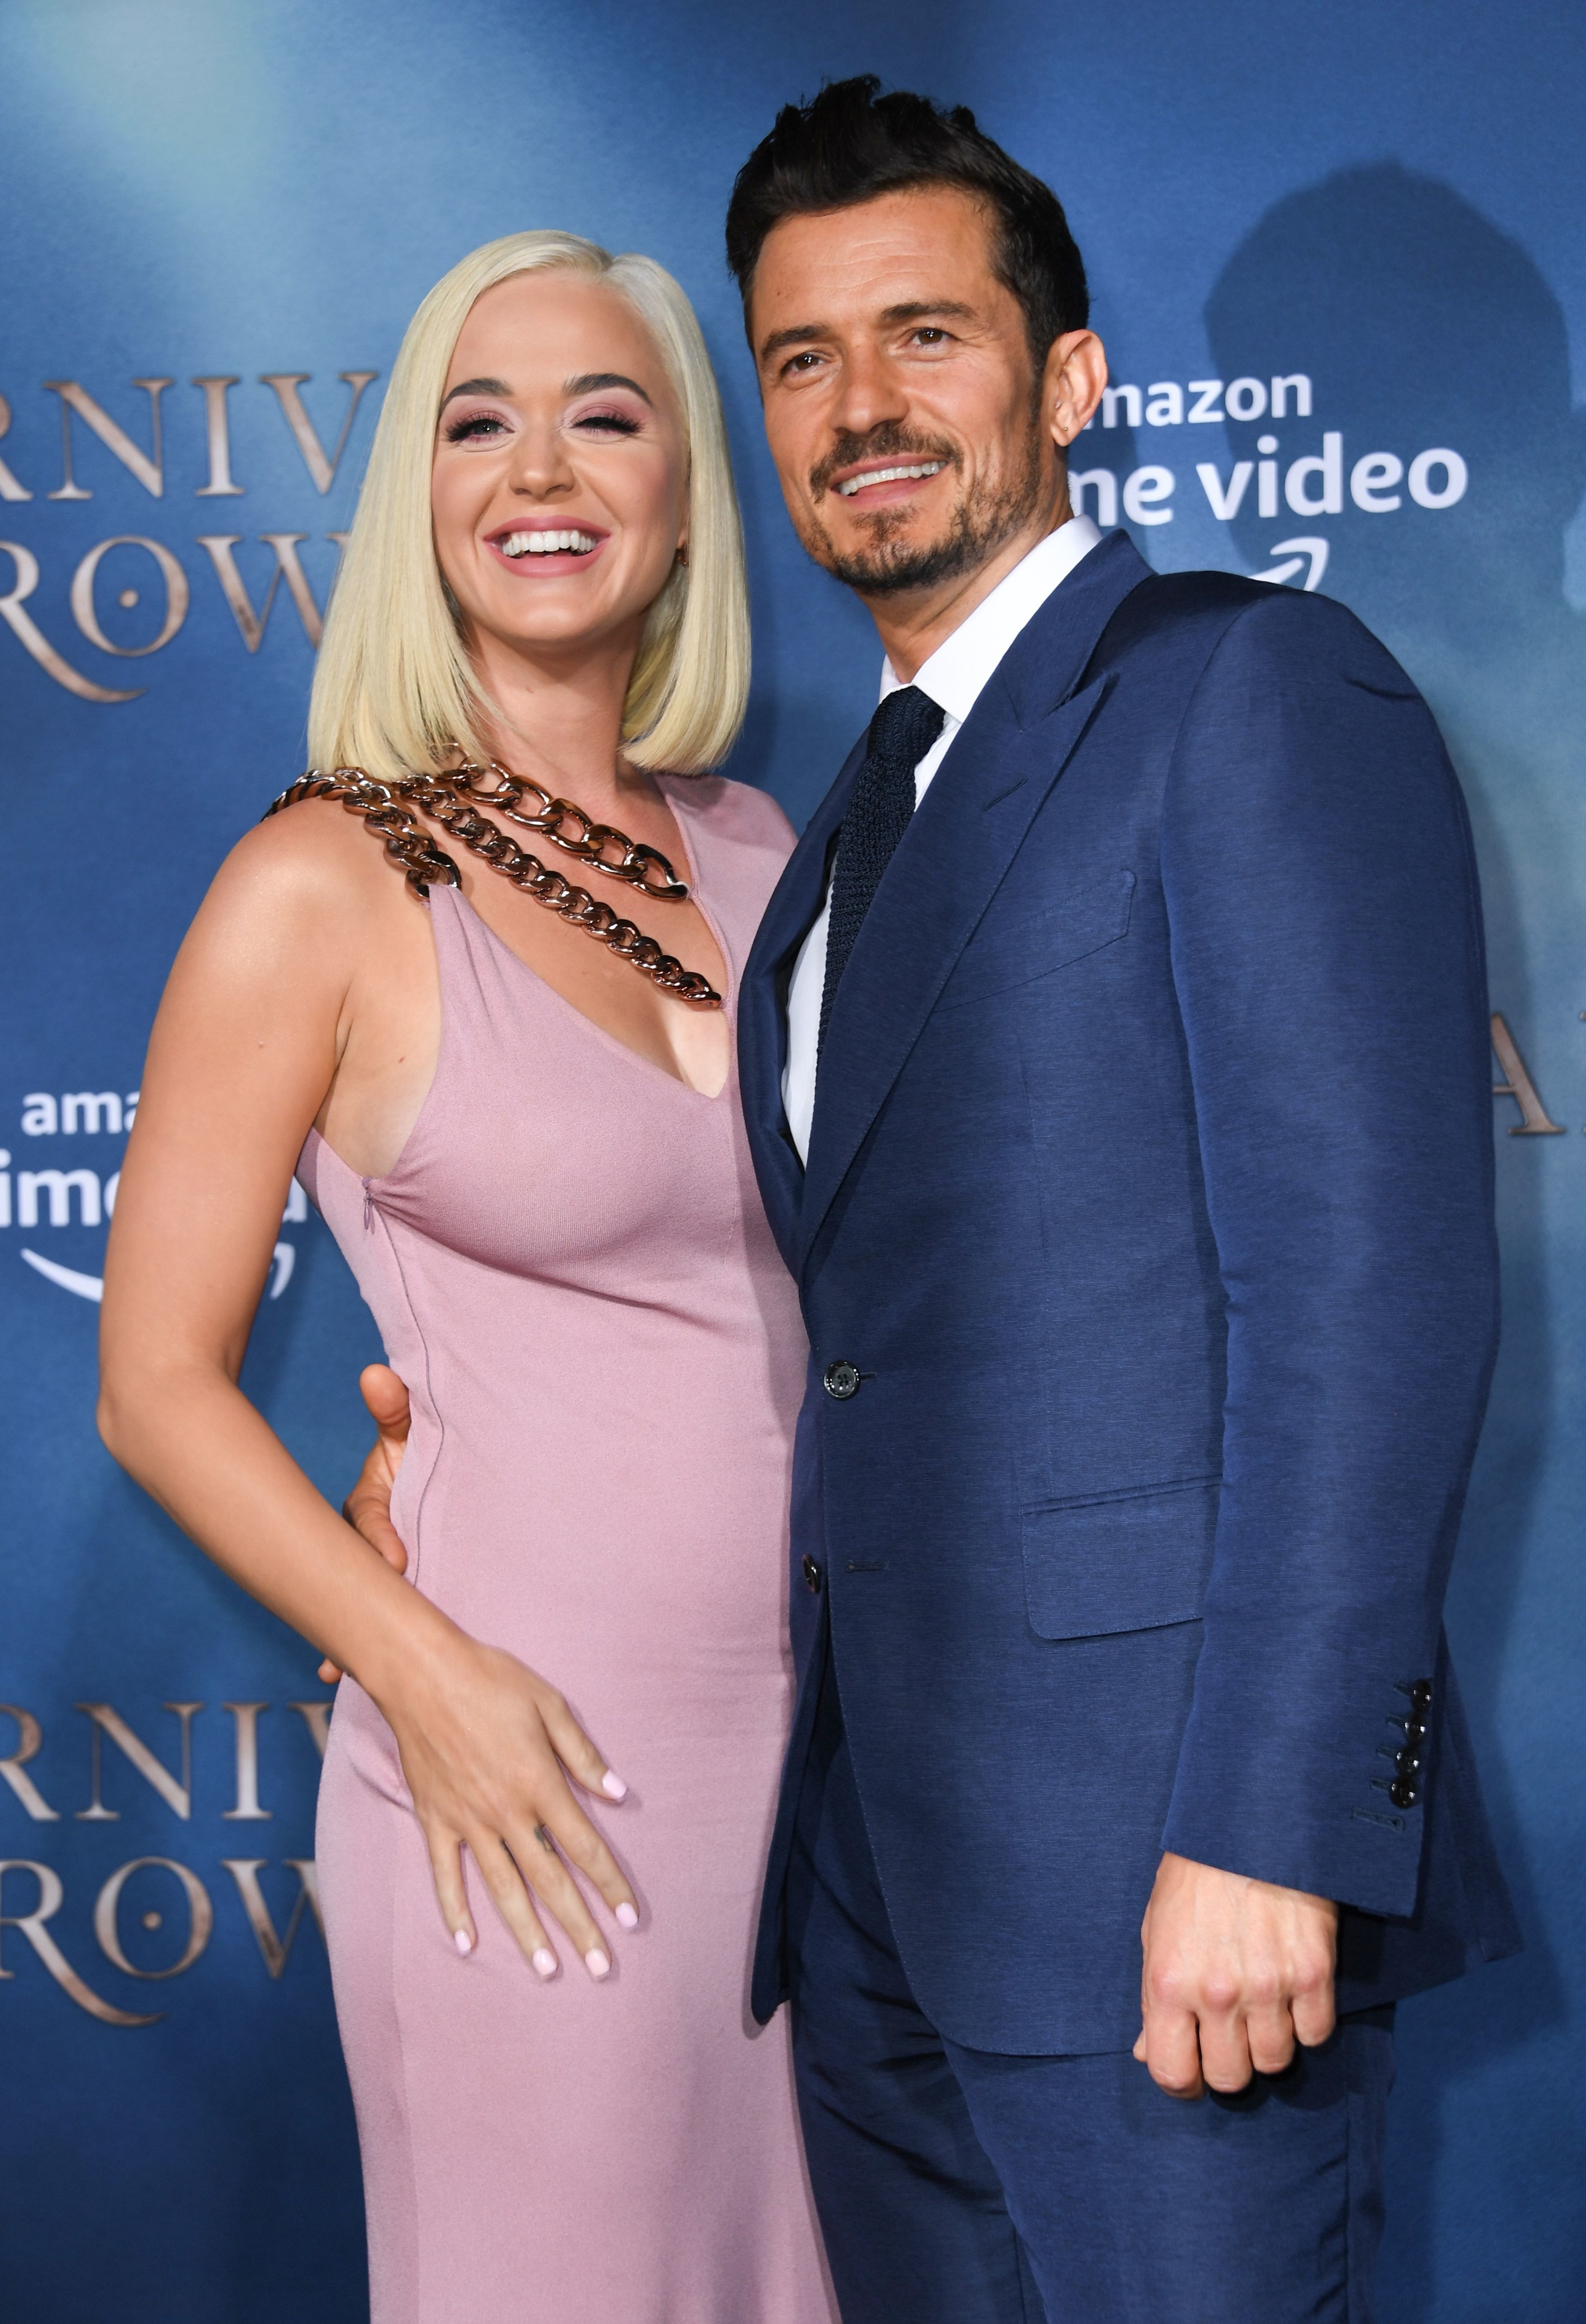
[
  {"x": 463, "y": 1941},
  {"x": 627, "y": 1918},
  {"x": 545, "y": 1962},
  {"x": 612, "y": 1785},
  {"x": 597, "y": 1963}
]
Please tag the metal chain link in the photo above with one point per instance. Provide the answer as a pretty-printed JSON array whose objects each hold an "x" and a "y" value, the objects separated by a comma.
[
  {"x": 452, "y": 800},
  {"x": 588, "y": 841}
]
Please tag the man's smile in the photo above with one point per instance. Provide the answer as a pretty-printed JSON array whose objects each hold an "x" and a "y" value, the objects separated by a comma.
[{"x": 870, "y": 481}]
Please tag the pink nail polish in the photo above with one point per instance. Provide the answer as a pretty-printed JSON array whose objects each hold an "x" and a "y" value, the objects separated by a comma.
[
  {"x": 462, "y": 1942},
  {"x": 613, "y": 1787},
  {"x": 597, "y": 1963},
  {"x": 627, "y": 1918},
  {"x": 545, "y": 1962}
]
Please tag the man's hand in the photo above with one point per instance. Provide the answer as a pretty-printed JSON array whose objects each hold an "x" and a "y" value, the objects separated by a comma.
[
  {"x": 368, "y": 1506},
  {"x": 1236, "y": 1971}
]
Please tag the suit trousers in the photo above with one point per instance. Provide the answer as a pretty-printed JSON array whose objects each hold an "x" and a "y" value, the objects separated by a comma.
[{"x": 958, "y": 2186}]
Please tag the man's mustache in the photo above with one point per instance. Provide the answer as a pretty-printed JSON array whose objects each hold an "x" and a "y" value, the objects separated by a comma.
[{"x": 889, "y": 440}]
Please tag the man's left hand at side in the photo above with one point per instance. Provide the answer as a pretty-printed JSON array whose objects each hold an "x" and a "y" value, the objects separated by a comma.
[
  {"x": 367, "y": 1508},
  {"x": 1236, "y": 1972}
]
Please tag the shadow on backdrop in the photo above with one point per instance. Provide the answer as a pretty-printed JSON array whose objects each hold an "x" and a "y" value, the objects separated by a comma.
[{"x": 1423, "y": 326}]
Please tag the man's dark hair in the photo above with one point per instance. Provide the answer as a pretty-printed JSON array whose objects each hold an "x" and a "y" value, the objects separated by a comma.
[{"x": 851, "y": 143}]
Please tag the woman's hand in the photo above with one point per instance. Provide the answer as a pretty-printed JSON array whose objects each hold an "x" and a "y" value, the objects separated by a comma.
[{"x": 488, "y": 1748}]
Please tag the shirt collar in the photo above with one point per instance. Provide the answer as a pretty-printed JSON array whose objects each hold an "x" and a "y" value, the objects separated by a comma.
[{"x": 955, "y": 673}]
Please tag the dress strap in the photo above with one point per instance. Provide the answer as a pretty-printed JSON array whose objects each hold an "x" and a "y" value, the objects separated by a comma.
[{"x": 451, "y": 801}]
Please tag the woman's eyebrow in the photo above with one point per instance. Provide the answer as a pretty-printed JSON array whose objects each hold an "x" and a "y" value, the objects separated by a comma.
[
  {"x": 476, "y": 387},
  {"x": 589, "y": 382}
]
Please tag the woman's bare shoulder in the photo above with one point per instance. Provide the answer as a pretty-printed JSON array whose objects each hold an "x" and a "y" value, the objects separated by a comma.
[
  {"x": 313, "y": 854},
  {"x": 309, "y": 881}
]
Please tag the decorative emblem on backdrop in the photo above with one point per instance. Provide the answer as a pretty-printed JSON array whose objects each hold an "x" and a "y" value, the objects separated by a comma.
[{"x": 130, "y": 555}]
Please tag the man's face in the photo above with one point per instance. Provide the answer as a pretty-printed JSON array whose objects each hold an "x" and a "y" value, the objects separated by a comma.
[{"x": 901, "y": 404}]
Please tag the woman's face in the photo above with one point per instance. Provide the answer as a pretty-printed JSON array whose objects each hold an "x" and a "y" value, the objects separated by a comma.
[{"x": 560, "y": 483}]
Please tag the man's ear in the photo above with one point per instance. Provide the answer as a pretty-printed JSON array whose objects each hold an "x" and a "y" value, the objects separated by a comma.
[{"x": 1072, "y": 383}]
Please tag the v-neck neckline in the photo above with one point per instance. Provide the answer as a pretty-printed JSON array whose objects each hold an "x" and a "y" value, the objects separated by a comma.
[{"x": 695, "y": 896}]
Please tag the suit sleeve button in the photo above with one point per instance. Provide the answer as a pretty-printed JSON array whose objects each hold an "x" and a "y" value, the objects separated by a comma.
[
  {"x": 812, "y": 1575},
  {"x": 841, "y": 1379},
  {"x": 1402, "y": 1793}
]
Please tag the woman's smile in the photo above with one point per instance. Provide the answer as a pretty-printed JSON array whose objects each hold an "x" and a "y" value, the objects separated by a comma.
[{"x": 534, "y": 548}]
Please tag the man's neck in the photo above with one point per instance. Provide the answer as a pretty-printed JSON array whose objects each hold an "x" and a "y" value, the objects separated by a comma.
[{"x": 911, "y": 625}]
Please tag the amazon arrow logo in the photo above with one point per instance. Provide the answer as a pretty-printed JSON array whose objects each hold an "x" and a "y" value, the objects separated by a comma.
[{"x": 55, "y": 1197}]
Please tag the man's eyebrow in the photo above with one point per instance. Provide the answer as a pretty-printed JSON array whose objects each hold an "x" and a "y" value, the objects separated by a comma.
[
  {"x": 908, "y": 310},
  {"x": 796, "y": 335},
  {"x": 915, "y": 311}
]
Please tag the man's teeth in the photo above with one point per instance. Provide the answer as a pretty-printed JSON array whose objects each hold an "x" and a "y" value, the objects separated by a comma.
[
  {"x": 888, "y": 476},
  {"x": 546, "y": 544}
]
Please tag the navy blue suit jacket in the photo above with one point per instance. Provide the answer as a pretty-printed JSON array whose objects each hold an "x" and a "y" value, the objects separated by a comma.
[{"x": 1150, "y": 1190}]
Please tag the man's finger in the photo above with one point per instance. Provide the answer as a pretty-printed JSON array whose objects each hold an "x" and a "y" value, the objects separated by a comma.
[
  {"x": 387, "y": 1401},
  {"x": 1225, "y": 2051},
  {"x": 367, "y": 1509},
  {"x": 1173, "y": 2053},
  {"x": 1314, "y": 2014},
  {"x": 1270, "y": 2034}
]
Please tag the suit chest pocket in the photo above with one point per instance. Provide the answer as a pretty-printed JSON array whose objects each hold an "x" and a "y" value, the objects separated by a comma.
[
  {"x": 1133, "y": 1560},
  {"x": 1007, "y": 952}
]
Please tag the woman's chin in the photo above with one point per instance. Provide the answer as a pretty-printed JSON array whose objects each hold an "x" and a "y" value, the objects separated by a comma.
[{"x": 558, "y": 622}]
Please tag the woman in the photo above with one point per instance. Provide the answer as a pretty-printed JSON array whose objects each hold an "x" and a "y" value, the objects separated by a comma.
[{"x": 516, "y": 1109}]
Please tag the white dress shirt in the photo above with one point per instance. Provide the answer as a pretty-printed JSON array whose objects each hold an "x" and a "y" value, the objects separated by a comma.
[{"x": 952, "y": 678}]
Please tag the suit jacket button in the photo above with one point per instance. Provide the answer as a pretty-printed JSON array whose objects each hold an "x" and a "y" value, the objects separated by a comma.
[
  {"x": 1402, "y": 1792},
  {"x": 1421, "y": 1697},
  {"x": 841, "y": 1379},
  {"x": 812, "y": 1574}
]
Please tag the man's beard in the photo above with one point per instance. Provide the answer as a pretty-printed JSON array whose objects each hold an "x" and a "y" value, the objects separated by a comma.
[{"x": 986, "y": 516}]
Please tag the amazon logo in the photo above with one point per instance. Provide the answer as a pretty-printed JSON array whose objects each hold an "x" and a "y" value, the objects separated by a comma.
[{"x": 65, "y": 1194}]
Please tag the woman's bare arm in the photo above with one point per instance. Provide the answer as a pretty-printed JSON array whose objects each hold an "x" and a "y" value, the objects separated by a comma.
[{"x": 268, "y": 997}]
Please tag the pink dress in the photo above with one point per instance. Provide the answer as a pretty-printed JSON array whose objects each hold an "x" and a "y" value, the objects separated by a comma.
[{"x": 572, "y": 1273}]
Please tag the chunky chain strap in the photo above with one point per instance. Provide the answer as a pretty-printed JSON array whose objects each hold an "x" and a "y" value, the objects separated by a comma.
[
  {"x": 644, "y": 868},
  {"x": 453, "y": 799}
]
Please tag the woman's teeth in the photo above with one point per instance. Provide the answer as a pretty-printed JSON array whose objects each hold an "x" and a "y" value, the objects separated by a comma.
[
  {"x": 888, "y": 476},
  {"x": 547, "y": 544}
]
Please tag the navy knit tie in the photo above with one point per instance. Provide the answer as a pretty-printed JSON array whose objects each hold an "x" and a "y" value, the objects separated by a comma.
[{"x": 878, "y": 808}]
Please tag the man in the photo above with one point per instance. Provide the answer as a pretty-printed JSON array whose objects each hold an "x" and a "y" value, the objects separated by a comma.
[
  {"x": 1115, "y": 1056},
  {"x": 1115, "y": 1053}
]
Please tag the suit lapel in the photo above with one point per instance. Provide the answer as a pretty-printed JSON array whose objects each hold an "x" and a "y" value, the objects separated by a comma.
[
  {"x": 969, "y": 827},
  {"x": 763, "y": 1016}
]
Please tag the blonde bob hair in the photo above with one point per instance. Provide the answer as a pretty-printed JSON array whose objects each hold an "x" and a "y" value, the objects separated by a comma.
[{"x": 395, "y": 692}]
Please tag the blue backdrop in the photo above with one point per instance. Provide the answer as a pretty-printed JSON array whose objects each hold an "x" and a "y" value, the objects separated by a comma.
[{"x": 1337, "y": 255}]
